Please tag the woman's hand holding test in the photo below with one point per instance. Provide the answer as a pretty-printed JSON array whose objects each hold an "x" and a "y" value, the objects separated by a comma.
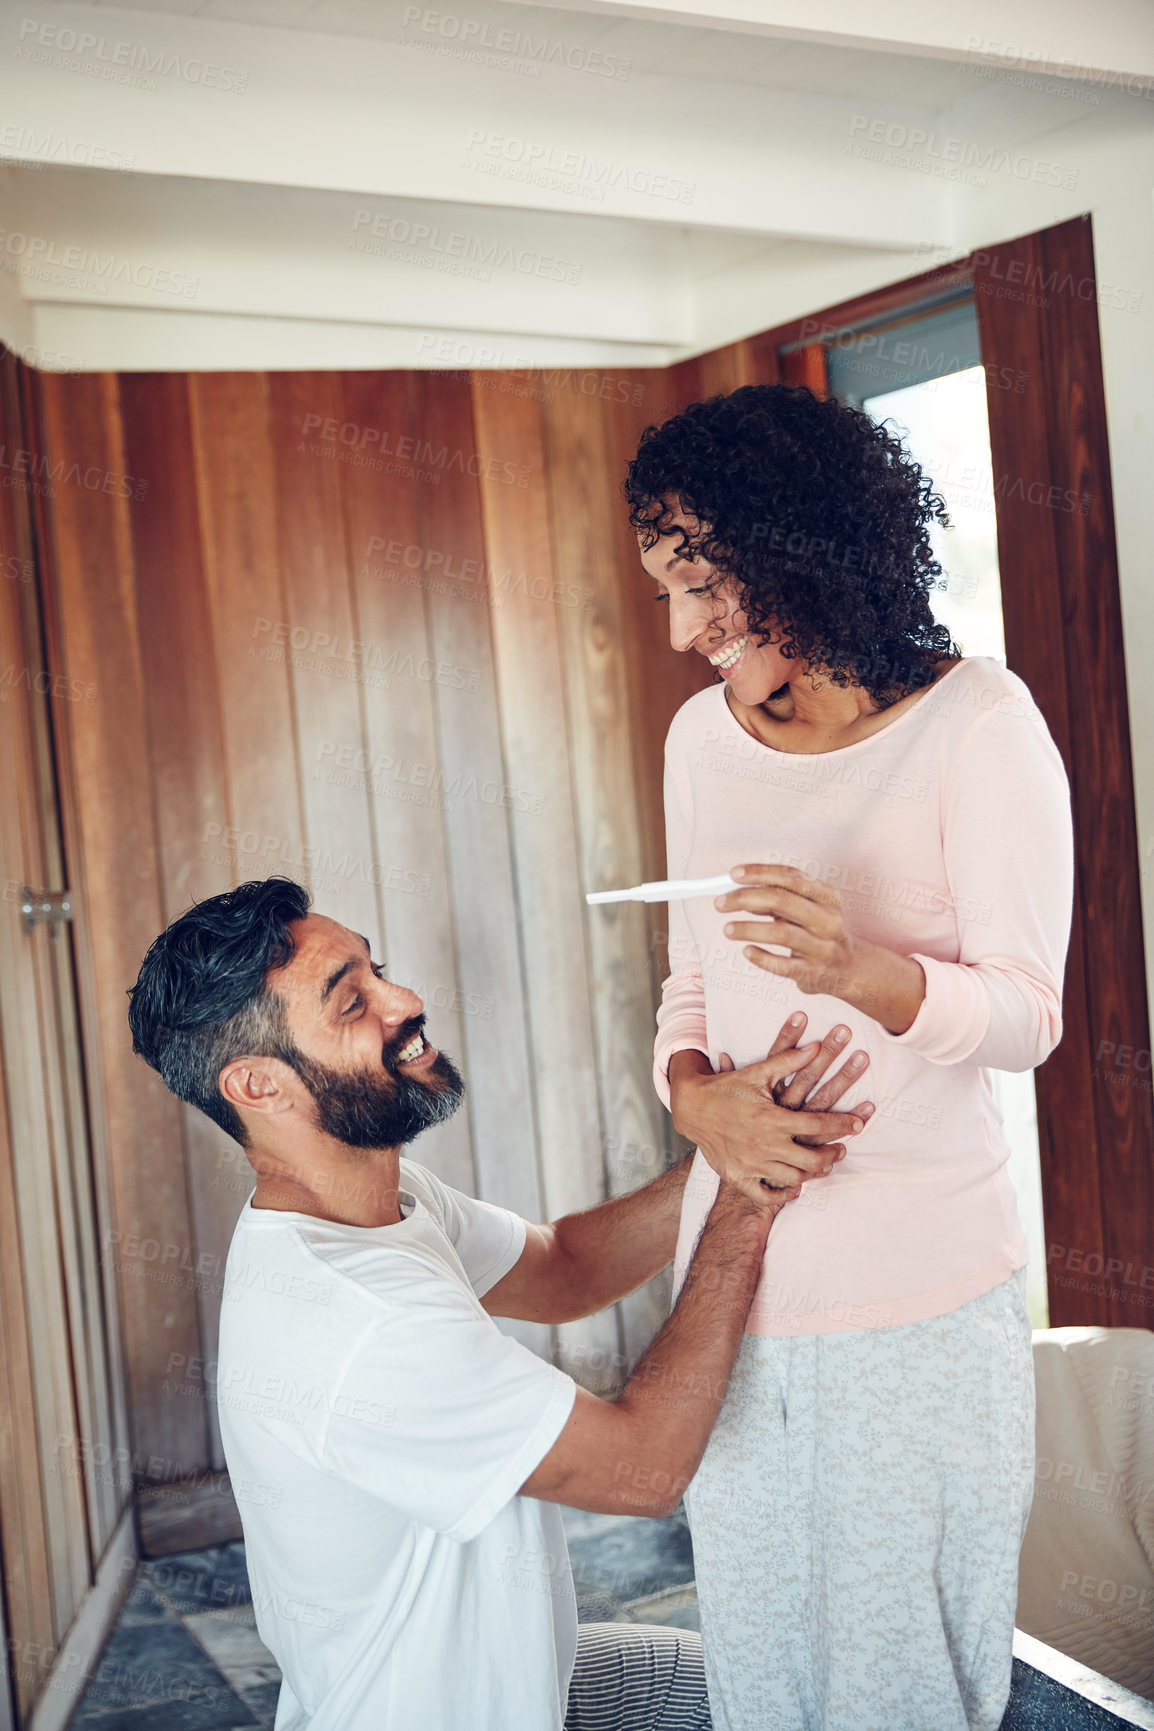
[
  {"x": 806, "y": 917},
  {"x": 768, "y": 1126}
]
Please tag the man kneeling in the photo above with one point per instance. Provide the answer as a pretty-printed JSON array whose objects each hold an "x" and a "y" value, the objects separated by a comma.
[{"x": 397, "y": 1459}]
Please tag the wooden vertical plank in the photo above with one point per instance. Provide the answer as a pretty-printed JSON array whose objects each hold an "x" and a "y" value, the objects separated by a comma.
[
  {"x": 537, "y": 753},
  {"x": 685, "y": 383},
  {"x": 1020, "y": 447},
  {"x": 725, "y": 369},
  {"x": 251, "y": 635},
  {"x": 187, "y": 762},
  {"x": 334, "y": 671},
  {"x": 1101, "y": 764},
  {"x": 764, "y": 360},
  {"x": 396, "y": 760},
  {"x": 68, "y": 1298},
  {"x": 24, "y": 1530},
  {"x": 236, "y": 487},
  {"x": 97, "y": 1333},
  {"x": 93, "y": 1357},
  {"x": 806, "y": 366},
  {"x": 598, "y": 669},
  {"x": 661, "y": 679},
  {"x": 96, "y": 630},
  {"x": 479, "y": 795},
  {"x": 1064, "y": 636},
  {"x": 25, "y": 1525}
]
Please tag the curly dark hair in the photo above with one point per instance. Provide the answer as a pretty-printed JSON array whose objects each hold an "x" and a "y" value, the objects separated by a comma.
[
  {"x": 202, "y": 997},
  {"x": 820, "y": 517}
]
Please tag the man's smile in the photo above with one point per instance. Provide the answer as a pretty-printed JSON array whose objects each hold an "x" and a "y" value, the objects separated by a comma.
[{"x": 416, "y": 1054}]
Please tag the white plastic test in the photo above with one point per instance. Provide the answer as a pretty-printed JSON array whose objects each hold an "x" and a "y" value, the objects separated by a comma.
[{"x": 668, "y": 890}]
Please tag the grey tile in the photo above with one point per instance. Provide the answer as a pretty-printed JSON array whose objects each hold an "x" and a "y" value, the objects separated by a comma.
[
  {"x": 209, "y": 1580},
  {"x": 674, "y": 1610},
  {"x": 1041, "y": 1703},
  {"x": 596, "y": 1607},
  {"x": 628, "y": 1558},
  {"x": 263, "y": 1699},
  {"x": 579, "y": 1523},
  {"x": 149, "y": 1662},
  {"x": 216, "y": 1710},
  {"x": 231, "y": 1641},
  {"x": 143, "y": 1605}
]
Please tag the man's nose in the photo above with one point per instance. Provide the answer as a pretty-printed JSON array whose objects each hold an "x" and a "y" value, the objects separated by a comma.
[{"x": 401, "y": 1004}]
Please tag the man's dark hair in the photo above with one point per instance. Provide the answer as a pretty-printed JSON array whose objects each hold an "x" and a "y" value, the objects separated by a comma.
[
  {"x": 822, "y": 519},
  {"x": 202, "y": 997}
]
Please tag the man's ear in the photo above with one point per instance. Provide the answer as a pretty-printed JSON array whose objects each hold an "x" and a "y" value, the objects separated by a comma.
[{"x": 265, "y": 1085}]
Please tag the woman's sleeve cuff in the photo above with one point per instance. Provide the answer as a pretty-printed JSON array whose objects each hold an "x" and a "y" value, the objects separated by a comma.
[{"x": 953, "y": 1015}]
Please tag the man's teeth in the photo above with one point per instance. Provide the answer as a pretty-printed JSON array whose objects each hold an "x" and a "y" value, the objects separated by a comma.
[
  {"x": 731, "y": 654},
  {"x": 413, "y": 1050}
]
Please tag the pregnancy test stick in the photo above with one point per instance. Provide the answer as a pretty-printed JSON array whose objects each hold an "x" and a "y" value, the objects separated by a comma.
[{"x": 669, "y": 890}]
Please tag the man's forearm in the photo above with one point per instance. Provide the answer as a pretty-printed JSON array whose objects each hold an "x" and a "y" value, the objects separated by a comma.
[
  {"x": 611, "y": 1250},
  {"x": 677, "y": 1387},
  {"x": 635, "y": 1455}
]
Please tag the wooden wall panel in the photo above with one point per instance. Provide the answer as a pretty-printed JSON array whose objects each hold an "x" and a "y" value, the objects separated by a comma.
[
  {"x": 25, "y": 1522},
  {"x": 96, "y": 638},
  {"x": 328, "y": 673},
  {"x": 187, "y": 759},
  {"x": 806, "y": 366},
  {"x": 186, "y": 745},
  {"x": 397, "y": 758},
  {"x": 24, "y": 1534},
  {"x": 712, "y": 374},
  {"x": 1064, "y": 635},
  {"x": 534, "y": 725},
  {"x": 65, "y": 1479},
  {"x": 599, "y": 654},
  {"x": 41, "y": 1229},
  {"x": 660, "y": 681},
  {"x": 478, "y": 794},
  {"x": 237, "y": 491}
]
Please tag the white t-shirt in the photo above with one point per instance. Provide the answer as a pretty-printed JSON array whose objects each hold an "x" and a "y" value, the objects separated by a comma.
[{"x": 377, "y": 1426}]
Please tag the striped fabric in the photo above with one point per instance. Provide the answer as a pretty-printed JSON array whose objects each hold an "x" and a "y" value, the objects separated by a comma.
[{"x": 637, "y": 1677}]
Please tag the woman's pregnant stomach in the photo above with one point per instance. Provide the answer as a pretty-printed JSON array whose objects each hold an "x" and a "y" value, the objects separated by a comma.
[{"x": 919, "y": 1210}]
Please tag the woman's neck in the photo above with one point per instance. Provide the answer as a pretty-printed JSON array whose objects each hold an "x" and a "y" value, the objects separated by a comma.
[{"x": 810, "y": 714}]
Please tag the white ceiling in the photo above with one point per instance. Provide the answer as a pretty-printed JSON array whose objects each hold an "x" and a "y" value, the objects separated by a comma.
[
  {"x": 722, "y": 56},
  {"x": 231, "y": 183}
]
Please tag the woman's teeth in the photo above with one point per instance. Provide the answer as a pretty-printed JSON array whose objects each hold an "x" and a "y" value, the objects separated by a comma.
[
  {"x": 413, "y": 1050},
  {"x": 730, "y": 655}
]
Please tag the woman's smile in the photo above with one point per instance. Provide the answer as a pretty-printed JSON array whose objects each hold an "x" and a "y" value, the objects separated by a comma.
[{"x": 727, "y": 657}]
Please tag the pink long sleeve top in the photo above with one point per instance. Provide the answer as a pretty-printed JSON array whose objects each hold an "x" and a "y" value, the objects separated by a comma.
[{"x": 948, "y": 837}]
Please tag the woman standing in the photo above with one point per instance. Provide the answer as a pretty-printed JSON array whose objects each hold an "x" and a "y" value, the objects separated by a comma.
[{"x": 902, "y": 819}]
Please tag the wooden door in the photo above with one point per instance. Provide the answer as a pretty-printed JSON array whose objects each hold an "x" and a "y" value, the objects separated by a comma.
[{"x": 65, "y": 1472}]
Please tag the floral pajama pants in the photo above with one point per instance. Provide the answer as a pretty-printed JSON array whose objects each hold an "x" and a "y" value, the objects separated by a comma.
[{"x": 856, "y": 1524}]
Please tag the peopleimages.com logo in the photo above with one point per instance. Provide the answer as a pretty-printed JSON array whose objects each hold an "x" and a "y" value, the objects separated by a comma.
[
  {"x": 481, "y": 39},
  {"x": 100, "y": 56},
  {"x": 574, "y": 171}
]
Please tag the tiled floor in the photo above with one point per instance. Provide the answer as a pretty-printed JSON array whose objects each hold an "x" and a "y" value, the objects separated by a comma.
[{"x": 185, "y": 1655}]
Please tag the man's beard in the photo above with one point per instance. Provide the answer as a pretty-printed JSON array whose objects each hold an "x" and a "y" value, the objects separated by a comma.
[{"x": 382, "y": 1108}]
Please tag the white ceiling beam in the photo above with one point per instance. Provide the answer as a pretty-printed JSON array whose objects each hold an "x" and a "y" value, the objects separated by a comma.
[
  {"x": 79, "y": 337},
  {"x": 382, "y": 120},
  {"x": 1113, "y": 37}
]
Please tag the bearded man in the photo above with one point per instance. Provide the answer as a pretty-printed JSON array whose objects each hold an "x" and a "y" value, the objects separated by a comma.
[{"x": 398, "y": 1460}]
